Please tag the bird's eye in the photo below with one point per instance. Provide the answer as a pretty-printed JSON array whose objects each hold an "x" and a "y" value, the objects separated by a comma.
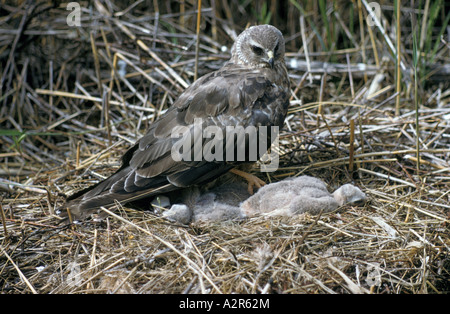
[
  {"x": 276, "y": 48},
  {"x": 257, "y": 50}
]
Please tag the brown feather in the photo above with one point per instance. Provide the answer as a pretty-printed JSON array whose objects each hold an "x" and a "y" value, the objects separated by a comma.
[{"x": 245, "y": 91}]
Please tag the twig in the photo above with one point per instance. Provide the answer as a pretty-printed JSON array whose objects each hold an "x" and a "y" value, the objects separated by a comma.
[
  {"x": 305, "y": 46},
  {"x": 398, "y": 56},
  {"x": 21, "y": 275},
  {"x": 351, "y": 146},
  {"x": 362, "y": 33},
  {"x": 152, "y": 54},
  {"x": 96, "y": 63},
  {"x": 5, "y": 230},
  {"x": 350, "y": 284},
  {"x": 72, "y": 95},
  {"x": 197, "y": 43},
  {"x": 168, "y": 244}
]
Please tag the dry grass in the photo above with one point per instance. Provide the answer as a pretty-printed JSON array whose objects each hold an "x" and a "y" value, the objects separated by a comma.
[{"x": 66, "y": 115}]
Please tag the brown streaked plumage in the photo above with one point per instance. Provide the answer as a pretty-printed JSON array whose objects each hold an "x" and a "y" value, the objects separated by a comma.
[{"x": 251, "y": 89}]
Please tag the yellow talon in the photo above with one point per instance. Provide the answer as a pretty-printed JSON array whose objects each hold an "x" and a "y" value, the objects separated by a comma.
[{"x": 251, "y": 179}]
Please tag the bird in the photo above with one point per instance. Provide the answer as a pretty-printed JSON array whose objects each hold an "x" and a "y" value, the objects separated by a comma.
[
  {"x": 251, "y": 89},
  {"x": 219, "y": 203},
  {"x": 297, "y": 195},
  {"x": 289, "y": 197}
]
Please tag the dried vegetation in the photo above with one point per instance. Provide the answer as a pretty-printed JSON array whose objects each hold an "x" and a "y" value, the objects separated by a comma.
[{"x": 73, "y": 98}]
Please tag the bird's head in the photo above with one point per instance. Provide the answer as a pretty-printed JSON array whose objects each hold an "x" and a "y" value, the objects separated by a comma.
[{"x": 259, "y": 46}]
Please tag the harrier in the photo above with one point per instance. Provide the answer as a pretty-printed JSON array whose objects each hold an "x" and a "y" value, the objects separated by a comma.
[{"x": 251, "y": 89}]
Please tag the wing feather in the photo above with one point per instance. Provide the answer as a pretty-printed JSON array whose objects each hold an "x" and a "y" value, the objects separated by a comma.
[{"x": 233, "y": 95}]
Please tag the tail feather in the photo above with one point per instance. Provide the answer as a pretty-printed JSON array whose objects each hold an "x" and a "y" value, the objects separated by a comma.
[
  {"x": 109, "y": 191},
  {"x": 80, "y": 209}
]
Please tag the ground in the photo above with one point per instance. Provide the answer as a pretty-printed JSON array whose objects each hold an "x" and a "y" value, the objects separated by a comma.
[{"x": 66, "y": 117}]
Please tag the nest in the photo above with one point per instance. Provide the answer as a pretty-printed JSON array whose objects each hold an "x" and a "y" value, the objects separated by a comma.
[{"x": 75, "y": 97}]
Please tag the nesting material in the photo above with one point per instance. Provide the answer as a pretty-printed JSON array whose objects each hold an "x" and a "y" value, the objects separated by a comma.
[
  {"x": 66, "y": 125},
  {"x": 289, "y": 197}
]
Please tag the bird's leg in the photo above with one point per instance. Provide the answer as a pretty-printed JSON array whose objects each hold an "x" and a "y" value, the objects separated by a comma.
[{"x": 251, "y": 179}]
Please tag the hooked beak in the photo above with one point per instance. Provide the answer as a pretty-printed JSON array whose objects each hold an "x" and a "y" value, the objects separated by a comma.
[{"x": 271, "y": 60}]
